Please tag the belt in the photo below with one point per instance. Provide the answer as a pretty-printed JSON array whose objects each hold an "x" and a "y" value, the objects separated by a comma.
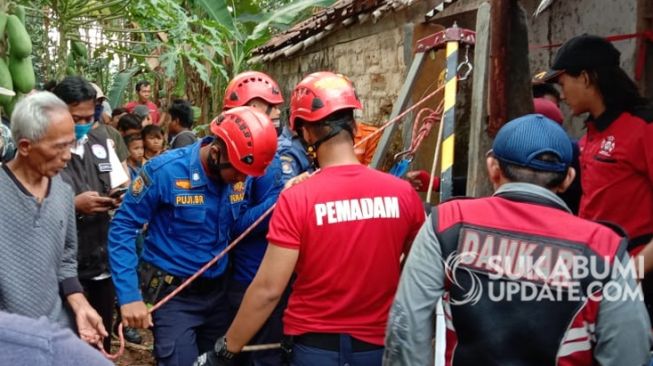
[
  {"x": 199, "y": 285},
  {"x": 331, "y": 342}
]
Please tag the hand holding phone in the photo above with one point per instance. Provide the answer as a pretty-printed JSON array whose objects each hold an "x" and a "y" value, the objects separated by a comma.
[{"x": 118, "y": 192}]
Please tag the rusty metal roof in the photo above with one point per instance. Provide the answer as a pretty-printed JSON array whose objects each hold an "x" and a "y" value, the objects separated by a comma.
[{"x": 341, "y": 14}]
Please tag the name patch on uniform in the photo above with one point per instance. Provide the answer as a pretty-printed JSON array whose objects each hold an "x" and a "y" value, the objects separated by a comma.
[
  {"x": 105, "y": 167},
  {"x": 357, "y": 209},
  {"x": 238, "y": 192},
  {"x": 189, "y": 199},
  {"x": 182, "y": 183}
]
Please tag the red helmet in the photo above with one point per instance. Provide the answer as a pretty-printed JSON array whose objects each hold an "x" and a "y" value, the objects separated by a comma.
[
  {"x": 249, "y": 85},
  {"x": 250, "y": 138},
  {"x": 319, "y": 95}
]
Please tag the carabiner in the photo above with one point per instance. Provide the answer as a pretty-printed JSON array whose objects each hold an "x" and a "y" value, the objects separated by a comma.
[{"x": 465, "y": 64}]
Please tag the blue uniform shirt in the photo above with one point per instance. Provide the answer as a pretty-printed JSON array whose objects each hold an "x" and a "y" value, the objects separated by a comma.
[
  {"x": 251, "y": 199},
  {"x": 188, "y": 221}
]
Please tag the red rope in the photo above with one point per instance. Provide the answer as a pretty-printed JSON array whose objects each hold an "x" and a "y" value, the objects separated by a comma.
[{"x": 421, "y": 130}]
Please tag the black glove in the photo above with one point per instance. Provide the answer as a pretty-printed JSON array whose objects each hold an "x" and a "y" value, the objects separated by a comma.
[
  {"x": 219, "y": 356},
  {"x": 211, "y": 358}
]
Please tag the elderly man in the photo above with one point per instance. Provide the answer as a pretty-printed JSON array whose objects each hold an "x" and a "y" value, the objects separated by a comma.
[{"x": 38, "y": 237}]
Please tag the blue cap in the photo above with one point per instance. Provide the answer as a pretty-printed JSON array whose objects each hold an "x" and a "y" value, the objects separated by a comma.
[{"x": 522, "y": 140}]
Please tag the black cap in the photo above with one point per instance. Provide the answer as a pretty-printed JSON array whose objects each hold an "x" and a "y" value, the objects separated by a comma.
[{"x": 582, "y": 53}]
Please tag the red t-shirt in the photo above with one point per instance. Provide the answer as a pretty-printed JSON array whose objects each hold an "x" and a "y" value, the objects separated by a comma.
[
  {"x": 154, "y": 111},
  {"x": 616, "y": 157},
  {"x": 350, "y": 224}
]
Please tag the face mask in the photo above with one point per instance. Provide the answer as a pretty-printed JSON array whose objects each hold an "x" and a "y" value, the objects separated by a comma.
[{"x": 82, "y": 130}]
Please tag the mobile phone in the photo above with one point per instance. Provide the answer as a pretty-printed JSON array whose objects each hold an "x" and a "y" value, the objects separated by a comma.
[{"x": 118, "y": 192}]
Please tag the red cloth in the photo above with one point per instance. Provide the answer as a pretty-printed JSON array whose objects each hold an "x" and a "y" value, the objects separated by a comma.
[
  {"x": 548, "y": 109},
  {"x": 348, "y": 267},
  {"x": 154, "y": 111},
  {"x": 617, "y": 174}
]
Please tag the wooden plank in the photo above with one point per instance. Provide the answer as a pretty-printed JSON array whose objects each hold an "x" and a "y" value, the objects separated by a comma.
[
  {"x": 400, "y": 104},
  {"x": 478, "y": 184},
  {"x": 501, "y": 30}
]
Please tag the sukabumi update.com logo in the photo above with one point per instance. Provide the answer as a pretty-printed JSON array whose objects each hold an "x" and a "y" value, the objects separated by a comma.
[
  {"x": 507, "y": 267},
  {"x": 525, "y": 278}
]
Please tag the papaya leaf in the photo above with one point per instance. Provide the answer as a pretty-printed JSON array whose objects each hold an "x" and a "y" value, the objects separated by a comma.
[{"x": 119, "y": 85}]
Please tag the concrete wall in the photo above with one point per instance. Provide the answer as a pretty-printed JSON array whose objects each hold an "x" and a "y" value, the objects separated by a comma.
[
  {"x": 374, "y": 55},
  {"x": 565, "y": 19}
]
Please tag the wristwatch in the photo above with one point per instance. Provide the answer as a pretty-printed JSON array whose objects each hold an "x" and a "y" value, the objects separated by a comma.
[{"x": 221, "y": 349}]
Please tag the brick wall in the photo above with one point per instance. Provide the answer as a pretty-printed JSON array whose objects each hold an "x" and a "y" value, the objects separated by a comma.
[{"x": 373, "y": 55}]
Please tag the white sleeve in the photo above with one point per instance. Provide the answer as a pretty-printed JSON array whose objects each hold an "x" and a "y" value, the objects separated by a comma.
[{"x": 118, "y": 175}]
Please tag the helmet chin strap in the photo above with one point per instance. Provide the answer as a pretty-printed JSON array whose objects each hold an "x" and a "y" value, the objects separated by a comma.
[
  {"x": 336, "y": 127},
  {"x": 217, "y": 166}
]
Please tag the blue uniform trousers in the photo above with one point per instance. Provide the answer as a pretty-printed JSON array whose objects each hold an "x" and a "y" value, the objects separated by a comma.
[
  {"x": 271, "y": 332},
  {"x": 303, "y": 355},
  {"x": 190, "y": 323}
]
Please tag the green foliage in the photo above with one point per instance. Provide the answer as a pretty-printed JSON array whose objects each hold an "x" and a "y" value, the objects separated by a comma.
[
  {"x": 119, "y": 85},
  {"x": 189, "y": 48}
]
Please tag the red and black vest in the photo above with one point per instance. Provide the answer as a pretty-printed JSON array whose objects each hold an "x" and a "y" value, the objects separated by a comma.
[{"x": 513, "y": 241}]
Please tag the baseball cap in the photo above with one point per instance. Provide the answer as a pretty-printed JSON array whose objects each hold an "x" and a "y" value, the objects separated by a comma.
[
  {"x": 98, "y": 92},
  {"x": 141, "y": 111},
  {"x": 521, "y": 141},
  {"x": 583, "y": 52}
]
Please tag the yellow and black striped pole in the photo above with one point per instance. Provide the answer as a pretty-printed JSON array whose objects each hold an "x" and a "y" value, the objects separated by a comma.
[{"x": 449, "y": 119}]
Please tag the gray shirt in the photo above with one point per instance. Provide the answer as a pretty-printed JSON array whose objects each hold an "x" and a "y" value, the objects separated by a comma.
[
  {"x": 183, "y": 138},
  {"x": 38, "y": 242},
  {"x": 37, "y": 342},
  {"x": 622, "y": 329}
]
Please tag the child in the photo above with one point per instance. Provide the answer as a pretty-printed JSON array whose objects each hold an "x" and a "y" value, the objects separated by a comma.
[
  {"x": 152, "y": 141},
  {"x": 143, "y": 113},
  {"x": 134, "y": 144},
  {"x": 129, "y": 124}
]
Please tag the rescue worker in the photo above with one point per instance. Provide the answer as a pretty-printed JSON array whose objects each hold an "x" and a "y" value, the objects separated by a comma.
[
  {"x": 470, "y": 249},
  {"x": 94, "y": 172},
  {"x": 342, "y": 232},
  {"x": 616, "y": 153},
  {"x": 252, "y": 198},
  {"x": 183, "y": 196}
]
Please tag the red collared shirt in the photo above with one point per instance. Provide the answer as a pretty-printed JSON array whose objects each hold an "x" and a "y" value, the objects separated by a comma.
[{"x": 616, "y": 157}]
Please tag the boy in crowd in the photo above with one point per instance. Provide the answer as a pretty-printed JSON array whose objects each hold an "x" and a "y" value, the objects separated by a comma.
[
  {"x": 129, "y": 124},
  {"x": 152, "y": 141},
  {"x": 135, "y": 160}
]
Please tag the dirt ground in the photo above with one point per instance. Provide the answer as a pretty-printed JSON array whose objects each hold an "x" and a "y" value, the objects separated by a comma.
[{"x": 136, "y": 355}]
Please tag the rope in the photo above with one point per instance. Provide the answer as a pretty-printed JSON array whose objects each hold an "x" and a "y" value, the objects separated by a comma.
[
  {"x": 185, "y": 284},
  {"x": 400, "y": 116},
  {"x": 421, "y": 134}
]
